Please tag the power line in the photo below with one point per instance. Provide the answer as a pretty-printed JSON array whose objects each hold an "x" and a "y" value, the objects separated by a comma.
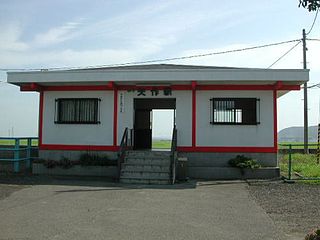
[
  {"x": 313, "y": 39},
  {"x": 314, "y": 21},
  {"x": 313, "y": 86},
  {"x": 155, "y": 60},
  {"x": 283, "y": 55}
]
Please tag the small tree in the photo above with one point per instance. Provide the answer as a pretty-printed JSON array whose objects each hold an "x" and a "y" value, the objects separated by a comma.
[{"x": 311, "y": 5}]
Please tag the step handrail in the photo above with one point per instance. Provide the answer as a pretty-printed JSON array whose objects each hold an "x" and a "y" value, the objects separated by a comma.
[
  {"x": 122, "y": 150},
  {"x": 173, "y": 155}
]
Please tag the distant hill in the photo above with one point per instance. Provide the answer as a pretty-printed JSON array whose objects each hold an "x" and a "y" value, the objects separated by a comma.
[{"x": 295, "y": 134}]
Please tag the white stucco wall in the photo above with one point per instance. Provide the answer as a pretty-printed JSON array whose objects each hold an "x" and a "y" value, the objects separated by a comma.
[
  {"x": 183, "y": 113},
  {"x": 78, "y": 134},
  {"x": 260, "y": 135},
  {"x": 206, "y": 134}
]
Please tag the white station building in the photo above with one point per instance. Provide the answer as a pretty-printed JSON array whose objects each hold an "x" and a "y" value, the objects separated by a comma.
[{"x": 220, "y": 112}]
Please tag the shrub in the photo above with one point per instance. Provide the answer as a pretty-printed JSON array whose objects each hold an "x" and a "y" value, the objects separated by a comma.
[
  {"x": 314, "y": 235},
  {"x": 65, "y": 163},
  {"x": 241, "y": 161},
  {"x": 95, "y": 160},
  {"x": 85, "y": 160},
  {"x": 50, "y": 163}
]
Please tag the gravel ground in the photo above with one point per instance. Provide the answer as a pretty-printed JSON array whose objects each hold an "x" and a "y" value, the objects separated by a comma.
[{"x": 295, "y": 208}]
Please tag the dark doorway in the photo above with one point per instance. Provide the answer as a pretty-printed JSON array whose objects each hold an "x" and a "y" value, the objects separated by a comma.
[
  {"x": 142, "y": 119},
  {"x": 142, "y": 129}
]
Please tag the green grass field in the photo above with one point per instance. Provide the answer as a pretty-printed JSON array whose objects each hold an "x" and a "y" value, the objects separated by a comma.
[
  {"x": 161, "y": 144},
  {"x": 297, "y": 145},
  {"x": 303, "y": 164},
  {"x": 22, "y": 142}
]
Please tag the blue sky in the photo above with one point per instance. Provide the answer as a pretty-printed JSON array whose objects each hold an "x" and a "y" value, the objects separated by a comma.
[{"x": 42, "y": 34}]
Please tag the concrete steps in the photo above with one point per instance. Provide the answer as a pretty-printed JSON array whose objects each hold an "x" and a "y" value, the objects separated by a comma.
[
  {"x": 144, "y": 181},
  {"x": 146, "y": 167}
]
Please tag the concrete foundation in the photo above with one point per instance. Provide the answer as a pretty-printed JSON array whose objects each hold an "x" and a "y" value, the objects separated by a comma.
[
  {"x": 97, "y": 171},
  {"x": 200, "y": 165},
  {"x": 229, "y": 173},
  {"x": 73, "y": 155},
  {"x": 203, "y": 159},
  {"x": 215, "y": 166}
]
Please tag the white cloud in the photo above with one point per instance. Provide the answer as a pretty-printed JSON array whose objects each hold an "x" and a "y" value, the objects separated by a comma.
[
  {"x": 73, "y": 58},
  {"x": 10, "y": 38},
  {"x": 56, "y": 35}
]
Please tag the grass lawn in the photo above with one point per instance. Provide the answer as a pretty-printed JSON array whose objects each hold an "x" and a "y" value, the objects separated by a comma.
[
  {"x": 304, "y": 164},
  {"x": 161, "y": 144},
  {"x": 297, "y": 145}
]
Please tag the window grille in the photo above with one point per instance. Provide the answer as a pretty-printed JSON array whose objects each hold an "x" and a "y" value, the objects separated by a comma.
[
  {"x": 77, "y": 111},
  {"x": 235, "y": 111}
]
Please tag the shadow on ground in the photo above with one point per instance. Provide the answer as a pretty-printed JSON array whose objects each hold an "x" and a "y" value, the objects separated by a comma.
[{"x": 28, "y": 179}]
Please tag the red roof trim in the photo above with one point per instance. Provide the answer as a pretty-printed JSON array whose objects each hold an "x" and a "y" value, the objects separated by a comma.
[{"x": 193, "y": 85}]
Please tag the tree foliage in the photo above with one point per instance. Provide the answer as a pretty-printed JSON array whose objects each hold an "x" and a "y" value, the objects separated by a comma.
[{"x": 311, "y": 5}]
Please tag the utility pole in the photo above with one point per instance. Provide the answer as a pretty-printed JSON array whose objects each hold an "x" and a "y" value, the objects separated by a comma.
[{"x": 305, "y": 95}]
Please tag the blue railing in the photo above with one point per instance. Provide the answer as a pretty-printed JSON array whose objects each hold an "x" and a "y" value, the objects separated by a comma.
[{"x": 15, "y": 150}]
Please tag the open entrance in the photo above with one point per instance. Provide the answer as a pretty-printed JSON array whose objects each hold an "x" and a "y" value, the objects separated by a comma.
[
  {"x": 162, "y": 128},
  {"x": 148, "y": 114}
]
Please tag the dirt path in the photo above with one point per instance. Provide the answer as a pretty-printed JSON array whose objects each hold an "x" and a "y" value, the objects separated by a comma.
[{"x": 295, "y": 208}]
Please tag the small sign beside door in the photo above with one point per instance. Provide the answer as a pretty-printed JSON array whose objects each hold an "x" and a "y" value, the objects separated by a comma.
[{"x": 121, "y": 102}]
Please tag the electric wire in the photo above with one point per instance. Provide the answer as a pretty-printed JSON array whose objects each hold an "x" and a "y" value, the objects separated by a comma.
[
  {"x": 313, "y": 39},
  {"x": 311, "y": 27},
  {"x": 319, "y": 116},
  {"x": 315, "y": 85},
  {"x": 283, "y": 55},
  {"x": 314, "y": 21},
  {"x": 155, "y": 60}
]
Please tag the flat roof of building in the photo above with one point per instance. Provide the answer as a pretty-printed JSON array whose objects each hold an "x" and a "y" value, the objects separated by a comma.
[{"x": 160, "y": 73}]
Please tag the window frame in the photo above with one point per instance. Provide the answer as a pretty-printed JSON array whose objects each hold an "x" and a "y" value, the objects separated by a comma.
[
  {"x": 257, "y": 111},
  {"x": 57, "y": 112}
]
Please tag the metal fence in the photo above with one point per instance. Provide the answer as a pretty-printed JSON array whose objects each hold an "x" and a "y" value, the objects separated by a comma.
[
  {"x": 295, "y": 165},
  {"x": 16, "y": 150}
]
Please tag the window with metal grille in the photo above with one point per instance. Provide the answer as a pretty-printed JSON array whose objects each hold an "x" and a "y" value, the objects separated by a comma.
[
  {"x": 235, "y": 111},
  {"x": 77, "y": 111}
]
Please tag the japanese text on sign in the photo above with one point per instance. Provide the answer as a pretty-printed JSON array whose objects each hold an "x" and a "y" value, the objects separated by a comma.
[{"x": 154, "y": 92}]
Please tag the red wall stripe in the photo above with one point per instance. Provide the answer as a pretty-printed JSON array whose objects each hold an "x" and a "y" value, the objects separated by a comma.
[
  {"x": 115, "y": 116},
  {"x": 40, "y": 117},
  {"x": 275, "y": 120},
  {"x": 228, "y": 149},
  {"x": 78, "y": 147},
  {"x": 180, "y": 149},
  {"x": 194, "y": 113}
]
